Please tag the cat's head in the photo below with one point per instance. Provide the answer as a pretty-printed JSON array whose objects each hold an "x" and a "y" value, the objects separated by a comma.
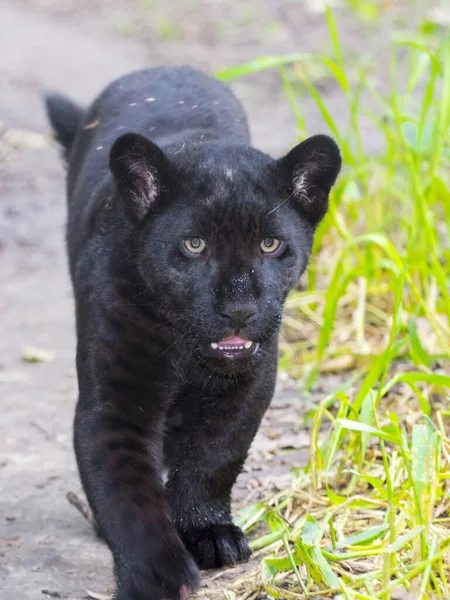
[{"x": 225, "y": 233}]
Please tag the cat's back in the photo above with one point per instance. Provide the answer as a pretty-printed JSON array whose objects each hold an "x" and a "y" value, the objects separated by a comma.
[
  {"x": 163, "y": 103},
  {"x": 169, "y": 105},
  {"x": 164, "y": 100}
]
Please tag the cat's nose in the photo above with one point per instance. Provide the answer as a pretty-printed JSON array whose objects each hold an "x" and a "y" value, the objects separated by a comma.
[{"x": 238, "y": 315}]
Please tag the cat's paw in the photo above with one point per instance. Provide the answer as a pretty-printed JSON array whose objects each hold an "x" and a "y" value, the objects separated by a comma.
[
  {"x": 216, "y": 546},
  {"x": 174, "y": 579}
]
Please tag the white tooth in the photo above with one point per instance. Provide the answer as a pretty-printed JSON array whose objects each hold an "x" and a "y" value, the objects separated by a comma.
[
  {"x": 214, "y": 345},
  {"x": 248, "y": 345}
]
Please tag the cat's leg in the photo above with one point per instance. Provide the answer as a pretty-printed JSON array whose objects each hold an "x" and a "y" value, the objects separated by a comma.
[
  {"x": 217, "y": 434},
  {"x": 118, "y": 447}
]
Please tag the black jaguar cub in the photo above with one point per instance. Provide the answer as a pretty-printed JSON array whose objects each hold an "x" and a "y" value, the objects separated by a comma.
[{"x": 183, "y": 244}]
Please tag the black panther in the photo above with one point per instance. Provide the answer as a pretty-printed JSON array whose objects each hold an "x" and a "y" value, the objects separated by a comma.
[{"x": 183, "y": 244}]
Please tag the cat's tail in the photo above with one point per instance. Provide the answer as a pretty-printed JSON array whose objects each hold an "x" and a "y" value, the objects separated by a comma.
[{"x": 65, "y": 117}]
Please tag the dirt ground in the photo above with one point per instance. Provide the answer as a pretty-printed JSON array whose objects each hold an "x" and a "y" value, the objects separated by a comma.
[{"x": 46, "y": 548}]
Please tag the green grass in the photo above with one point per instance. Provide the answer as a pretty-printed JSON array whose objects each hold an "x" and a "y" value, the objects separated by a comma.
[{"x": 370, "y": 514}]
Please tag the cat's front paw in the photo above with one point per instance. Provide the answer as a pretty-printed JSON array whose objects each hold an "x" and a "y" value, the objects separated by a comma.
[
  {"x": 216, "y": 546},
  {"x": 173, "y": 577}
]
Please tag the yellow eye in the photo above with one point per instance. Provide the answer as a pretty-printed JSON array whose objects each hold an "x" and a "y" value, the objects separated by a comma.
[
  {"x": 270, "y": 244},
  {"x": 195, "y": 245}
]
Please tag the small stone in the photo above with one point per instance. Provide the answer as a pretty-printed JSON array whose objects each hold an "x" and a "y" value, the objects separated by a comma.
[
  {"x": 150, "y": 99},
  {"x": 132, "y": 104}
]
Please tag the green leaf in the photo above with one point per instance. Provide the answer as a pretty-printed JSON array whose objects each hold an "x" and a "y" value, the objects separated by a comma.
[
  {"x": 425, "y": 450},
  {"x": 334, "y": 35},
  {"x": 364, "y": 537},
  {"x": 335, "y": 498},
  {"x": 380, "y": 433},
  {"x": 261, "y": 64},
  {"x": 328, "y": 575},
  {"x": 266, "y": 540},
  {"x": 419, "y": 354},
  {"x": 403, "y": 540},
  {"x": 311, "y": 532},
  {"x": 247, "y": 517},
  {"x": 269, "y": 570},
  {"x": 375, "y": 482}
]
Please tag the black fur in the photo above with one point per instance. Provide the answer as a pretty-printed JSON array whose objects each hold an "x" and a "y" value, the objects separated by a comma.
[{"x": 152, "y": 389}]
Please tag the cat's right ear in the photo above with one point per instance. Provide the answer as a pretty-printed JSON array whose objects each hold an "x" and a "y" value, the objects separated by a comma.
[{"x": 140, "y": 170}]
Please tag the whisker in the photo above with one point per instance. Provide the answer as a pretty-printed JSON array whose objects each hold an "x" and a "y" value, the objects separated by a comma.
[{"x": 281, "y": 204}]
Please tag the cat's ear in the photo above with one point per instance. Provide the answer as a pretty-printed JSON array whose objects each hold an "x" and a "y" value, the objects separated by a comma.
[
  {"x": 140, "y": 169},
  {"x": 311, "y": 168}
]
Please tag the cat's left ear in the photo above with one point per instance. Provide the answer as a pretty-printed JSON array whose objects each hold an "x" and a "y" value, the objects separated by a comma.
[{"x": 311, "y": 168}]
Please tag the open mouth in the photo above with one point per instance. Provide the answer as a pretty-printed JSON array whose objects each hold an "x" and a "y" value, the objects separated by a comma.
[{"x": 230, "y": 348}]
